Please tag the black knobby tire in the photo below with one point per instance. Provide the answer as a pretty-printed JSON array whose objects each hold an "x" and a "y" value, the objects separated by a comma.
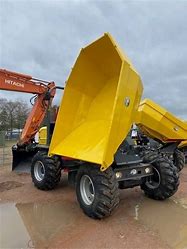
[
  {"x": 106, "y": 192},
  {"x": 51, "y": 175},
  {"x": 179, "y": 159},
  {"x": 168, "y": 181},
  {"x": 150, "y": 156}
]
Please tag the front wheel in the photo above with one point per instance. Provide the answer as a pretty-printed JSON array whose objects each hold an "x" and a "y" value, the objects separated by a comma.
[
  {"x": 97, "y": 192},
  {"x": 45, "y": 172},
  {"x": 165, "y": 181}
]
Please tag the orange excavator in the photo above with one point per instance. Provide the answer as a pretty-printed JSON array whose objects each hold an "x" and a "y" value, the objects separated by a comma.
[{"x": 44, "y": 92}]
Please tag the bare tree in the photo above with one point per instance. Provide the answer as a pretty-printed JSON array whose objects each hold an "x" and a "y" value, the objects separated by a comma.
[
  {"x": 22, "y": 112},
  {"x": 13, "y": 114}
]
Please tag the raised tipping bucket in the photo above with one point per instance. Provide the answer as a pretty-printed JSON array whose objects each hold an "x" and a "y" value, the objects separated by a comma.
[{"x": 100, "y": 100}]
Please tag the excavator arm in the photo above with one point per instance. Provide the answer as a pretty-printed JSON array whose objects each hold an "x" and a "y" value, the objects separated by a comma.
[{"x": 44, "y": 91}]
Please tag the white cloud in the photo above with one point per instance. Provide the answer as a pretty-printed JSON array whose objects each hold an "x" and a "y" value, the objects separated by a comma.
[{"x": 43, "y": 39}]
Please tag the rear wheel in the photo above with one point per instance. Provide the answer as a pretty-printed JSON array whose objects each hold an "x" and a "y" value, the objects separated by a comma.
[
  {"x": 97, "y": 192},
  {"x": 45, "y": 172},
  {"x": 179, "y": 159},
  {"x": 165, "y": 181}
]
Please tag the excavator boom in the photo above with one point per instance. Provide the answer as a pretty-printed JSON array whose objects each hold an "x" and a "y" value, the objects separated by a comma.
[
  {"x": 44, "y": 91},
  {"x": 12, "y": 81}
]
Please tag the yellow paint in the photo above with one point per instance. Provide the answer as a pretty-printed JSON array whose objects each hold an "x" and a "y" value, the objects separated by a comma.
[
  {"x": 183, "y": 144},
  {"x": 93, "y": 118},
  {"x": 43, "y": 135},
  {"x": 158, "y": 123}
]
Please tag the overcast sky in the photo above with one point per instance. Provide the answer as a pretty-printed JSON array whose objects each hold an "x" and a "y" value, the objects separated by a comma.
[{"x": 43, "y": 39}]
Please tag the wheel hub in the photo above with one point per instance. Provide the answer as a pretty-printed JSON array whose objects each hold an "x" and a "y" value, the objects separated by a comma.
[
  {"x": 39, "y": 171},
  {"x": 87, "y": 190},
  {"x": 153, "y": 181}
]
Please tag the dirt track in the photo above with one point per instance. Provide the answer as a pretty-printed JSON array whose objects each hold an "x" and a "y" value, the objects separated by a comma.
[{"x": 54, "y": 220}]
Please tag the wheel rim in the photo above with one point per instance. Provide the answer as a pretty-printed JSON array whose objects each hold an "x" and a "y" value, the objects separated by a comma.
[
  {"x": 39, "y": 171},
  {"x": 87, "y": 190},
  {"x": 153, "y": 181}
]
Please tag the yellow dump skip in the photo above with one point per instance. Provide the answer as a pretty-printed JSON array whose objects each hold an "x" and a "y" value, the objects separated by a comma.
[
  {"x": 98, "y": 107},
  {"x": 156, "y": 122},
  {"x": 183, "y": 144}
]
